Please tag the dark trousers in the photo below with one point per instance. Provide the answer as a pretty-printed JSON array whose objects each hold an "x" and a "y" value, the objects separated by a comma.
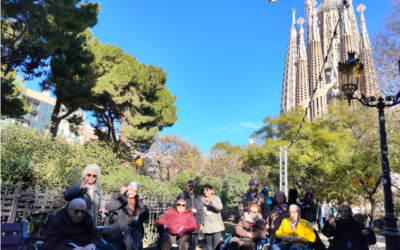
[
  {"x": 167, "y": 240},
  {"x": 193, "y": 241},
  {"x": 212, "y": 240},
  {"x": 105, "y": 247}
]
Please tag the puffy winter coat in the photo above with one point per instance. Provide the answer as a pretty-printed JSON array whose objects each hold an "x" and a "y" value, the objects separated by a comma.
[
  {"x": 174, "y": 221},
  {"x": 197, "y": 204},
  {"x": 303, "y": 230}
]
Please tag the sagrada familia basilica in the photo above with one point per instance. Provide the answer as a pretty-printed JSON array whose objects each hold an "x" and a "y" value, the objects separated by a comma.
[{"x": 311, "y": 62}]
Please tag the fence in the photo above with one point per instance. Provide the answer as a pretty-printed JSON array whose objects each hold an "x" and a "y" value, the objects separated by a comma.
[{"x": 19, "y": 202}]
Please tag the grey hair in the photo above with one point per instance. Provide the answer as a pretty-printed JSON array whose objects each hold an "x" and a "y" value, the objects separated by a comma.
[
  {"x": 134, "y": 184},
  {"x": 90, "y": 167},
  {"x": 75, "y": 201},
  {"x": 297, "y": 207}
]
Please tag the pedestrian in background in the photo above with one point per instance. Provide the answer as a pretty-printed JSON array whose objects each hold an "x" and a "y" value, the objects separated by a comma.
[
  {"x": 324, "y": 211},
  {"x": 308, "y": 207},
  {"x": 213, "y": 225}
]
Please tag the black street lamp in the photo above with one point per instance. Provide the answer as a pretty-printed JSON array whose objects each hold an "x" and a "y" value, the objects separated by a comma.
[{"x": 349, "y": 78}]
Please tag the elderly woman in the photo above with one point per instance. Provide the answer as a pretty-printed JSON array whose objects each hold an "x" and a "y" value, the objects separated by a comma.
[
  {"x": 89, "y": 189},
  {"x": 347, "y": 233},
  {"x": 193, "y": 202},
  {"x": 176, "y": 226},
  {"x": 213, "y": 225},
  {"x": 127, "y": 225},
  {"x": 279, "y": 212},
  {"x": 249, "y": 231}
]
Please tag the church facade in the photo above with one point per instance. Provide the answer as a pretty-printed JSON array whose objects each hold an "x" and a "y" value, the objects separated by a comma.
[{"x": 311, "y": 64}]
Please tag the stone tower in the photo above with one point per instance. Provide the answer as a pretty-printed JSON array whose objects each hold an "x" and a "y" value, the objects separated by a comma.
[
  {"x": 322, "y": 22},
  {"x": 302, "y": 88},
  {"x": 315, "y": 73},
  {"x": 305, "y": 63},
  {"x": 369, "y": 84},
  {"x": 289, "y": 76}
]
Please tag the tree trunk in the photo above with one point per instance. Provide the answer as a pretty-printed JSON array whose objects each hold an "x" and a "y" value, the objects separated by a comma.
[{"x": 55, "y": 122}]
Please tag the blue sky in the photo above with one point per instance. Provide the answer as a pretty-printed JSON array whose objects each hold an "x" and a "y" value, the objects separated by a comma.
[{"x": 224, "y": 59}]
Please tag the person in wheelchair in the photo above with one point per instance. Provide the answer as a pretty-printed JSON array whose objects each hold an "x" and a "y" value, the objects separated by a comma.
[
  {"x": 176, "y": 226},
  {"x": 294, "y": 232},
  {"x": 74, "y": 224},
  {"x": 249, "y": 231},
  {"x": 127, "y": 225},
  {"x": 347, "y": 232}
]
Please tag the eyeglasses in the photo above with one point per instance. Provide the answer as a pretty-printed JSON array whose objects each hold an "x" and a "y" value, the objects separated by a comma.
[
  {"x": 90, "y": 175},
  {"x": 279, "y": 195},
  {"x": 181, "y": 205},
  {"x": 253, "y": 211},
  {"x": 78, "y": 211}
]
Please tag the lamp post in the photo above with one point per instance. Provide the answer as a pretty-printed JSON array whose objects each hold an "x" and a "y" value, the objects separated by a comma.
[{"x": 349, "y": 77}]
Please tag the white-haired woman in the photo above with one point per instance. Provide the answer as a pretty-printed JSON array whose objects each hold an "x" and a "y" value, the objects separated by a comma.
[
  {"x": 127, "y": 225},
  {"x": 89, "y": 189}
]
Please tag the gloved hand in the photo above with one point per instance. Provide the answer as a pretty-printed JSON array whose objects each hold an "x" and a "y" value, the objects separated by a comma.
[{"x": 182, "y": 232}]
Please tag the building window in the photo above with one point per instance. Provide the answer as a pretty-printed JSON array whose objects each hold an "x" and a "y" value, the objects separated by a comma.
[
  {"x": 62, "y": 132},
  {"x": 33, "y": 116},
  {"x": 77, "y": 138},
  {"x": 35, "y": 105}
]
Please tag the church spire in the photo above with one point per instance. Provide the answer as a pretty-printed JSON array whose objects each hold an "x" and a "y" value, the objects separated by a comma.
[
  {"x": 302, "y": 90},
  {"x": 289, "y": 78},
  {"x": 353, "y": 24},
  {"x": 369, "y": 85},
  {"x": 347, "y": 42},
  {"x": 316, "y": 76}
]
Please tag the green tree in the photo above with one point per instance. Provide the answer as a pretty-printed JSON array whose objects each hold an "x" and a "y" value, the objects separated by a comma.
[
  {"x": 71, "y": 80},
  {"x": 32, "y": 31},
  {"x": 13, "y": 104},
  {"x": 131, "y": 99}
]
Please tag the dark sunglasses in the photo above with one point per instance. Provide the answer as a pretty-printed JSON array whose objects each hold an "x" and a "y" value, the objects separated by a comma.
[
  {"x": 181, "y": 205},
  {"x": 90, "y": 175},
  {"x": 78, "y": 211}
]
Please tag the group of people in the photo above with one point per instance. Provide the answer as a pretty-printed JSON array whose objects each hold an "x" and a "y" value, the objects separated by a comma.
[{"x": 283, "y": 222}]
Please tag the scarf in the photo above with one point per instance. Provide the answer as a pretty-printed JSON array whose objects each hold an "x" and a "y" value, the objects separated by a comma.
[
  {"x": 281, "y": 208},
  {"x": 251, "y": 219},
  {"x": 293, "y": 224}
]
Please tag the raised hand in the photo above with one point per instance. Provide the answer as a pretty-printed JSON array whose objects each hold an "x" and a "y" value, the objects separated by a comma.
[{"x": 85, "y": 184}]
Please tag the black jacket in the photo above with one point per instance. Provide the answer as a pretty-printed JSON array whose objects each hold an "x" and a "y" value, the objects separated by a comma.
[
  {"x": 61, "y": 227},
  {"x": 119, "y": 203},
  {"x": 343, "y": 232},
  {"x": 308, "y": 213},
  {"x": 197, "y": 204}
]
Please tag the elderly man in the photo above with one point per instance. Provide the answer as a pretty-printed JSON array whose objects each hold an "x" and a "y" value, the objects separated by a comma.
[
  {"x": 294, "y": 232},
  {"x": 347, "y": 232},
  {"x": 75, "y": 225},
  {"x": 253, "y": 197}
]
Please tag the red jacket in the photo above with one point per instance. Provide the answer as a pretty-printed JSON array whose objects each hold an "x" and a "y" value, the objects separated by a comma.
[{"x": 175, "y": 221}]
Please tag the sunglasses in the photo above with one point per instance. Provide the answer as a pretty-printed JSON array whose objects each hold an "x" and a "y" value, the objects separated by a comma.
[
  {"x": 181, "y": 205},
  {"x": 78, "y": 211},
  {"x": 90, "y": 175}
]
